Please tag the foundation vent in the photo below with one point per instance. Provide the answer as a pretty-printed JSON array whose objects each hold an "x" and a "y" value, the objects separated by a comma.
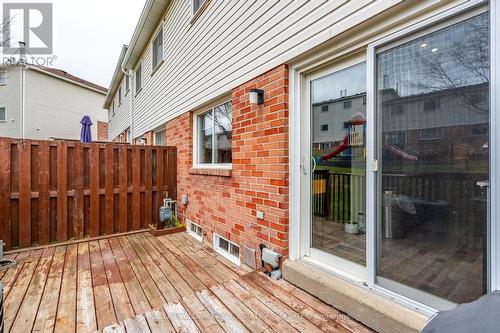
[{"x": 249, "y": 257}]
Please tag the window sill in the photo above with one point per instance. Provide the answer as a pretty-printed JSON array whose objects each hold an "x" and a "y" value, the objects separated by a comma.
[
  {"x": 199, "y": 11},
  {"x": 157, "y": 67},
  {"x": 218, "y": 172},
  {"x": 138, "y": 92}
]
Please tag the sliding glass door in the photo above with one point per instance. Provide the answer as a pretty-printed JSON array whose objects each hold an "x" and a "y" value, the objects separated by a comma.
[
  {"x": 423, "y": 130},
  {"x": 433, "y": 149},
  {"x": 338, "y": 136}
]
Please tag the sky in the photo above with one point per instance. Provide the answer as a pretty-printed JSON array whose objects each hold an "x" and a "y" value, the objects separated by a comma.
[{"x": 89, "y": 35}]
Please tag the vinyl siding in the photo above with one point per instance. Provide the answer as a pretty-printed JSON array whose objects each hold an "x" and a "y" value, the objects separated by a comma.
[
  {"x": 54, "y": 107},
  {"x": 232, "y": 42},
  {"x": 121, "y": 121},
  {"x": 10, "y": 97}
]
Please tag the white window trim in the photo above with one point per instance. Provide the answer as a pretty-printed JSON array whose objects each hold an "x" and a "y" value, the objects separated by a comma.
[
  {"x": 191, "y": 233},
  {"x": 139, "y": 66},
  {"x": 158, "y": 131},
  {"x": 6, "y": 113},
  {"x": 195, "y": 13},
  {"x": 196, "y": 165},
  {"x": 223, "y": 253},
  {"x": 120, "y": 96},
  {"x": 160, "y": 61},
  {"x": 4, "y": 83},
  {"x": 300, "y": 164}
]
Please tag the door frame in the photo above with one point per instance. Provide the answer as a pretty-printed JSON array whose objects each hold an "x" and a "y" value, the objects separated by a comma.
[
  {"x": 300, "y": 130},
  {"x": 315, "y": 255}
]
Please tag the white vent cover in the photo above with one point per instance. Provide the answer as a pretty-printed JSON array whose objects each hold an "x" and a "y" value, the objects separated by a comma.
[{"x": 249, "y": 257}]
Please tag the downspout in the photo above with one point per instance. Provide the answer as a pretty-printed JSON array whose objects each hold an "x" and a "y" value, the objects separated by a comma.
[
  {"x": 23, "y": 102},
  {"x": 125, "y": 72}
]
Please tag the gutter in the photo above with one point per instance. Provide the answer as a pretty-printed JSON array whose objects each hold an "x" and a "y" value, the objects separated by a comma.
[
  {"x": 138, "y": 31},
  {"x": 23, "y": 101}
]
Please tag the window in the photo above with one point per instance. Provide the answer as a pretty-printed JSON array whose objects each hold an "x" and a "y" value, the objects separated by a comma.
[
  {"x": 431, "y": 104},
  {"x": 127, "y": 135},
  {"x": 324, "y": 128},
  {"x": 214, "y": 135},
  {"x": 227, "y": 249},
  {"x": 158, "y": 49},
  {"x": 431, "y": 134},
  {"x": 324, "y": 108},
  {"x": 113, "y": 108},
  {"x": 138, "y": 79},
  {"x": 3, "y": 78},
  {"x": 120, "y": 96},
  {"x": 197, "y": 4},
  {"x": 396, "y": 109},
  {"x": 195, "y": 230},
  {"x": 127, "y": 84},
  {"x": 3, "y": 114},
  {"x": 347, "y": 104},
  {"x": 160, "y": 138}
]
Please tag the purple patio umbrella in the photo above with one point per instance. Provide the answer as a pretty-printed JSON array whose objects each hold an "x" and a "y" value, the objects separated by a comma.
[{"x": 86, "y": 133}]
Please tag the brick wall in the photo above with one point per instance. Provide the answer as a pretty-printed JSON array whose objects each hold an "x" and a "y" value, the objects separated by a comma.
[
  {"x": 226, "y": 202},
  {"x": 102, "y": 131}
]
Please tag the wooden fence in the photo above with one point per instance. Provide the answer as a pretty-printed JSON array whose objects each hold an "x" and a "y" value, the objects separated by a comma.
[{"x": 57, "y": 191}]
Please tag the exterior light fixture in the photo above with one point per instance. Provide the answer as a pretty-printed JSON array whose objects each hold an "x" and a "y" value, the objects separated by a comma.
[{"x": 256, "y": 96}]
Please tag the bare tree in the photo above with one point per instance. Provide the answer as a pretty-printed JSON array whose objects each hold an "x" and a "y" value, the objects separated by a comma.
[
  {"x": 468, "y": 59},
  {"x": 4, "y": 35}
]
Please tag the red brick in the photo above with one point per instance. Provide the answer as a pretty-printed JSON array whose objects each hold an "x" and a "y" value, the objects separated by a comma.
[{"x": 259, "y": 178}]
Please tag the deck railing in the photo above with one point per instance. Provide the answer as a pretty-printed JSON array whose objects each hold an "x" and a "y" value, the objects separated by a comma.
[
  {"x": 54, "y": 191},
  {"x": 337, "y": 196}
]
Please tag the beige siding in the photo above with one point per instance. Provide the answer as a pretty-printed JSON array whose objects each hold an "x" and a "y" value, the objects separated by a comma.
[
  {"x": 232, "y": 42},
  {"x": 55, "y": 107},
  {"x": 121, "y": 121},
  {"x": 10, "y": 97}
]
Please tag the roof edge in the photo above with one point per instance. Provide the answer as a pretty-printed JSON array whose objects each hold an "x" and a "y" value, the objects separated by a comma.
[
  {"x": 82, "y": 85},
  {"x": 117, "y": 77},
  {"x": 144, "y": 18}
]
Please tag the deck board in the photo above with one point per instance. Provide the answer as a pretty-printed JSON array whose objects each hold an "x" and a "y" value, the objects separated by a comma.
[{"x": 141, "y": 283}]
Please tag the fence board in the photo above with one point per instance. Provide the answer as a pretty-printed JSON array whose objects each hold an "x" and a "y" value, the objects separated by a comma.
[
  {"x": 44, "y": 193},
  {"x": 5, "y": 223},
  {"x": 48, "y": 189},
  {"x": 109, "y": 188},
  {"x": 78, "y": 207},
  {"x": 24, "y": 193},
  {"x": 123, "y": 172},
  {"x": 148, "y": 179},
  {"x": 136, "y": 188},
  {"x": 62, "y": 192},
  {"x": 94, "y": 190}
]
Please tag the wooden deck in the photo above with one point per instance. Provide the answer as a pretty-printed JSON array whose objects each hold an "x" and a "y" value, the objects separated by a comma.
[{"x": 141, "y": 283}]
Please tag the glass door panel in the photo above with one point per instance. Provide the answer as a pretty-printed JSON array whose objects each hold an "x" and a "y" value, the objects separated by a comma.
[
  {"x": 338, "y": 130},
  {"x": 433, "y": 145}
]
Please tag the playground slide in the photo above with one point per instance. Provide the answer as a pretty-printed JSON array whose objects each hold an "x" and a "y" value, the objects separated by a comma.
[{"x": 345, "y": 145}]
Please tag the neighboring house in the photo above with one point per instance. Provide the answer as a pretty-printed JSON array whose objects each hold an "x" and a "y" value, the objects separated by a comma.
[
  {"x": 42, "y": 103},
  {"x": 290, "y": 175}
]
